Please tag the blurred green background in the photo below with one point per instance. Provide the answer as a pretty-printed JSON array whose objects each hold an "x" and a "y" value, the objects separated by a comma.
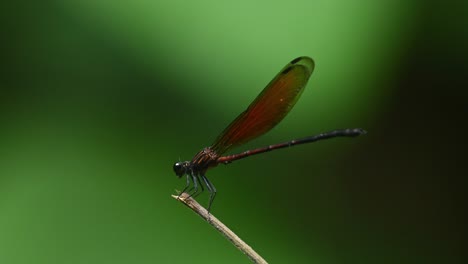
[{"x": 100, "y": 98}]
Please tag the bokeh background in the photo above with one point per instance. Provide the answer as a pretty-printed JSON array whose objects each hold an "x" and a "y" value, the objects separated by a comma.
[{"x": 99, "y": 99}]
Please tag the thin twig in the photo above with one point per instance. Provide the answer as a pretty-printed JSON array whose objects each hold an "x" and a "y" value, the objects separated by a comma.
[{"x": 225, "y": 231}]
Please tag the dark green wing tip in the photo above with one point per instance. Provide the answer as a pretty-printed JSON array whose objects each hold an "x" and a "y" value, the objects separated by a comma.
[{"x": 305, "y": 61}]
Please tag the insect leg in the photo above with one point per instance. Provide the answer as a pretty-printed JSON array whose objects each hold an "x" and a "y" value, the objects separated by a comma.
[
  {"x": 211, "y": 189},
  {"x": 187, "y": 185},
  {"x": 201, "y": 187}
]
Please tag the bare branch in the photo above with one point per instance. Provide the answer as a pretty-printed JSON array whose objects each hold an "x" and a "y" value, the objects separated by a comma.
[{"x": 225, "y": 231}]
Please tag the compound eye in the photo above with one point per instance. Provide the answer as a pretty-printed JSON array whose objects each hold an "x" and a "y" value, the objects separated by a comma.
[{"x": 179, "y": 169}]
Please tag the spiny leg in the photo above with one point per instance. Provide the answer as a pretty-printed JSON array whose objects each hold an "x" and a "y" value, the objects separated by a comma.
[
  {"x": 191, "y": 175},
  {"x": 187, "y": 185},
  {"x": 213, "y": 194},
  {"x": 195, "y": 194},
  {"x": 211, "y": 189},
  {"x": 195, "y": 186}
]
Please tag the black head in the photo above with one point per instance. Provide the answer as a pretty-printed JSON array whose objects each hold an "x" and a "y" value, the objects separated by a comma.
[{"x": 180, "y": 168}]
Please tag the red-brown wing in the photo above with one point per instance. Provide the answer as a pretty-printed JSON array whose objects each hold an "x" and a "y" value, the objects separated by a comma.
[{"x": 270, "y": 106}]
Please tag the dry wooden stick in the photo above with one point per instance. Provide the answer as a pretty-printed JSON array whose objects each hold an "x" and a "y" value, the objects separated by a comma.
[{"x": 225, "y": 231}]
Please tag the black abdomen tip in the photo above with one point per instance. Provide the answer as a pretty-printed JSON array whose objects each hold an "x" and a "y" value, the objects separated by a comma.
[{"x": 357, "y": 131}]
